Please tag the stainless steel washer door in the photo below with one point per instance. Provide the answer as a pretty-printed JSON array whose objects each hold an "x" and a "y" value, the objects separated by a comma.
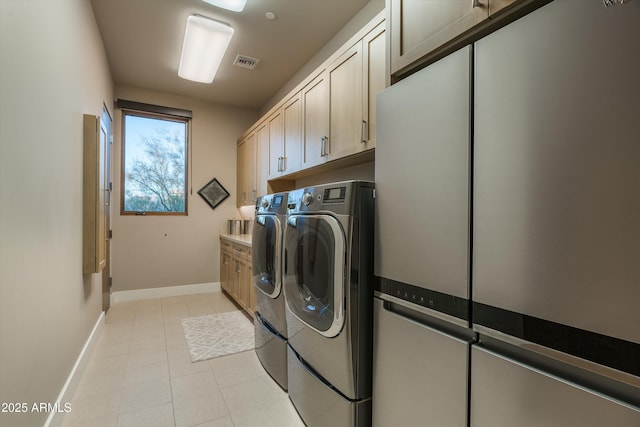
[
  {"x": 266, "y": 247},
  {"x": 314, "y": 272}
]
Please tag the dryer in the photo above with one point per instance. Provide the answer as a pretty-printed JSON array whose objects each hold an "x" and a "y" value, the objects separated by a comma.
[
  {"x": 328, "y": 285},
  {"x": 269, "y": 317}
]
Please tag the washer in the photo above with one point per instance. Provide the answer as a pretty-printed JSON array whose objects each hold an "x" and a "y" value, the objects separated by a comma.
[
  {"x": 328, "y": 284},
  {"x": 269, "y": 318}
]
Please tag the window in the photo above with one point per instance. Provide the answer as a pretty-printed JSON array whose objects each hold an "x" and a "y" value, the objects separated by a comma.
[{"x": 154, "y": 164}]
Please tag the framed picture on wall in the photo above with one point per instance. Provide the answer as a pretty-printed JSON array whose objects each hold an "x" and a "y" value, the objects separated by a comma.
[{"x": 213, "y": 193}]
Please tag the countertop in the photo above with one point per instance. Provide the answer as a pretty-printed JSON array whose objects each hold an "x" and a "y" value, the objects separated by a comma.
[{"x": 242, "y": 239}]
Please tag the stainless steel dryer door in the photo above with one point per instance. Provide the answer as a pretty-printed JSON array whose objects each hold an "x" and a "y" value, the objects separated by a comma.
[
  {"x": 266, "y": 250},
  {"x": 314, "y": 272}
]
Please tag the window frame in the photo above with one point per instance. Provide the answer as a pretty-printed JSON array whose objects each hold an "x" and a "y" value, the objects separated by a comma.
[{"x": 161, "y": 116}]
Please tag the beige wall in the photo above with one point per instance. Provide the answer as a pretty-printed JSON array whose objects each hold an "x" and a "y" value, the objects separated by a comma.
[
  {"x": 160, "y": 251},
  {"x": 53, "y": 69}
]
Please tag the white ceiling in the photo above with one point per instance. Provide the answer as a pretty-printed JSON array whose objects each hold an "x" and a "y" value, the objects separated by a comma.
[{"x": 143, "y": 40}]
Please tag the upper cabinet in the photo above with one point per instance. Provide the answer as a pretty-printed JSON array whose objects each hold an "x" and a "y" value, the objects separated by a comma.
[
  {"x": 330, "y": 115},
  {"x": 315, "y": 113},
  {"x": 292, "y": 115},
  {"x": 355, "y": 79},
  {"x": 345, "y": 105},
  {"x": 247, "y": 191},
  {"x": 418, "y": 27},
  {"x": 339, "y": 104},
  {"x": 275, "y": 124},
  {"x": 262, "y": 157},
  {"x": 374, "y": 50},
  {"x": 285, "y": 138}
]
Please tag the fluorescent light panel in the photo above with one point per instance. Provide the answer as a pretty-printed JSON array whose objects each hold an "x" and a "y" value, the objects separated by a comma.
[
  {"x": 235, "y": 5},
  {"x": 205, "y": 42}
]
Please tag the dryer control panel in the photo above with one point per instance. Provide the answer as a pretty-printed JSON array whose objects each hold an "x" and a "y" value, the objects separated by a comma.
[{"x": 338, "y": 197}]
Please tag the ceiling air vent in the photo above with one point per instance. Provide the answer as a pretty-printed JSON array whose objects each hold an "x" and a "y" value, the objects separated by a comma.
[{"x": 246, "y": 62}]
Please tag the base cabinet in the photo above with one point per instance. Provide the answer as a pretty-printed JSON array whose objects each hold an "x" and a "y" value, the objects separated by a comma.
[{"x": 236, "y": 278}]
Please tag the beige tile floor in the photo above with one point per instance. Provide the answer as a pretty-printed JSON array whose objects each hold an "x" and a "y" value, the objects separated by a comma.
[{"x": 140, "y": 374}]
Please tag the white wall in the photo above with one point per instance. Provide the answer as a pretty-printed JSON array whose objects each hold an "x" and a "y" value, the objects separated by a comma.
[
  {"x": 53, "y": 69},
  {"x": 160, "y": 251}
]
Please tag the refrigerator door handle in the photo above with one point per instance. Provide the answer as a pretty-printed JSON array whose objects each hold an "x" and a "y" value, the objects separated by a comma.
[
  {"x": 608, "y": 381},
  {"x": 428, "y": 320},
  {"x": 397, "y": 302}
]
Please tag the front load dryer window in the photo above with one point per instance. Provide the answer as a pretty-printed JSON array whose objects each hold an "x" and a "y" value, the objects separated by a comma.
[{"x": 314, "y": 272}]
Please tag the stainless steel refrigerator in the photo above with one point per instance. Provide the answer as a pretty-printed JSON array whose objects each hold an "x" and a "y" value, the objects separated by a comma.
[
  {"x": 422, "y": 331},
  {"x": 556, "y": 219},
  {"x": 508, "y": 228}
]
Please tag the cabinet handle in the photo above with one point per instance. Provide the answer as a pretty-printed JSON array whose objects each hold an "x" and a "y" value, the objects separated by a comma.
[
  {"x": 363, "y": 128},
  {"x": 322, "y": 147},
  {"x": 476, "y": 3},
  {"x": 253, "y": 195},
  {"x": 279, "y": 164}
]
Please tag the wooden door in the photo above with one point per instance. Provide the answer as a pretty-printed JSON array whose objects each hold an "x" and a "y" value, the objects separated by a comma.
[
  {"x": 235, "y": 277},
  {"x": 225, "y": 269},
  {"x": 262, "y": 158},
  {"x": 276, "y": 144},
  {"x": 241, "y": 194},
  {"x": 315, "y": 120},
  {"x": 345, "y": 107},
  {"x": 107, "y": 282},
  {"x": 292, "y": 111},
  {"x": 419, "y": 27},
  {"x": 373, "y": 82},
  {"x": 247, "y": 171}
]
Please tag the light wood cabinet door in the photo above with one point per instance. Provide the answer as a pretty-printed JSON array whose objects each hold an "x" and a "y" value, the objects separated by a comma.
[
  {"x": 247, "y": 171},
  {"x": 374, "y": 50},
  {"x": 276, "y": 144},
  {"x": 225, "y": 270},
  {"x": 292, "y": 114},
  {"x": 94, "y": 194},
  {"x": 418, "y": 27},
  {"x": 243, "y": 283},
  {"x": 236, "y": 274},
  {"x": 345, "y": 106},
  {"x": 262, "y": 158},
  {"x": 235, "y": 278},
  {"x": 241, "y": 150},
  {"x": 315, "y": 113}
]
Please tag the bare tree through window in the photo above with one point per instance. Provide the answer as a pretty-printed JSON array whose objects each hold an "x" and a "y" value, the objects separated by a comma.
[{"x": 154, "y": 164}]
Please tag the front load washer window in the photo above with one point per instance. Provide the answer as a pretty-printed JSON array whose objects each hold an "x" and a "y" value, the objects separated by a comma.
[
  {"x": 266, "y": 254},
  {"x": 314, "y": 271}
]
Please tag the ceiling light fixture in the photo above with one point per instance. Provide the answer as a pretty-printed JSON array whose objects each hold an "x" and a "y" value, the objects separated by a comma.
[
  {"x": 234, "y": 5},
  {"x": 205, "y": 42}
]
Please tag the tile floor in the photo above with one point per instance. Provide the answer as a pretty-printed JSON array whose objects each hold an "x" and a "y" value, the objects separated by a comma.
[{"x": 140, "y": 374}]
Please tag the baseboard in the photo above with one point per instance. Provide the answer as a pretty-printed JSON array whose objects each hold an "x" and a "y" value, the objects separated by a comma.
[
  {"x": 56, "y": 417},
  {"x": 169, "y": 291}
]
